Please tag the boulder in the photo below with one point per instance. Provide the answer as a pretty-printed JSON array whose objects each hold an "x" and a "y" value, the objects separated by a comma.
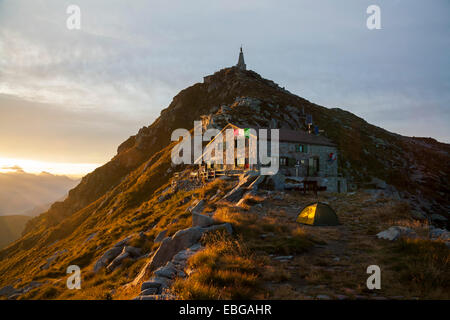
[
  {"x": 181, "y": 240},
  {"x": 225, "y": 226},
  {"x": 182, "y": 256},
  {"x": 201, "y": 220},
  {"x": 107, "y": 257},
  {"x": 30, "y": 286},
  {"x": 238, "y": 191},
  {"x": 396, "y": 232},
  {"x": 437, "y": 233},
  {"x": 150, "y": 285},
  {"x": 163, "y": 282},
  {"x": 149, "y": 291},
  {"x": 168, "y": 271},
  {"x": 118, "y": 260},
  {"x": 133, "y": 251},
  {"x": 160, "y": 236},
  {"x": 123, "y": 242},
  {"x": 197, "y": 207},
  {"x": 8, "y": 291}
]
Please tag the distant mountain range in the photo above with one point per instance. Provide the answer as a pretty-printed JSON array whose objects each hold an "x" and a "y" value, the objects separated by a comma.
[
  {"x": 31, "y": 194},
  {"x": 11, "y": 228}
]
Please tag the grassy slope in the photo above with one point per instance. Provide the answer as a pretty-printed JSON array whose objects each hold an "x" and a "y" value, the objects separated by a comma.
[
  {"x": 328, "y": 261},
  {"x": 121, "y": 197},
  {"x": 242, "y": 266}
]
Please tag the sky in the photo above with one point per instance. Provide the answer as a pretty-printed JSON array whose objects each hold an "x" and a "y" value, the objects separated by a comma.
[{"x": 68, "y": 98}]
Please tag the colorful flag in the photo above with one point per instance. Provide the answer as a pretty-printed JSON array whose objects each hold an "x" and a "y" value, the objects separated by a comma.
[{"x": 247, "y": 132}]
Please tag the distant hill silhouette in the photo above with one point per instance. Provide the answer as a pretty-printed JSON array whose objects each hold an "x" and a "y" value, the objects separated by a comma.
[
  {"x": 11, "y": 228},
  {"x": 26, "y": 193}
]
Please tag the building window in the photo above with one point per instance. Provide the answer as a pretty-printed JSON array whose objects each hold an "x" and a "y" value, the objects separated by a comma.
[
  {"x": 283, "y": 161},
  {"x": 300, "y": 148}
]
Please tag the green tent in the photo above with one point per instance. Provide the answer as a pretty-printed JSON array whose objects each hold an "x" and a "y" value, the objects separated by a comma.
[{"x": 318, "y": 214}]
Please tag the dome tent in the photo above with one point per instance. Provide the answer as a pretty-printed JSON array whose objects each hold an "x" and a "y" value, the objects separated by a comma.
[{"x": 318, "y": 214}]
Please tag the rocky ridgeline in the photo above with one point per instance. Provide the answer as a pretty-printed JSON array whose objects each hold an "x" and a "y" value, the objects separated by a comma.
[
  {"x": 397, "y": 232},
  {"x": 13, "y": 293},
  {"x": 113, "y": 257},
  {"x": 169, "y": 261}
]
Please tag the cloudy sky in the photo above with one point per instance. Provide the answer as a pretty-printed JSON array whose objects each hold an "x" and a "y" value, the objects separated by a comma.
[{"x": 68, "y": 98}]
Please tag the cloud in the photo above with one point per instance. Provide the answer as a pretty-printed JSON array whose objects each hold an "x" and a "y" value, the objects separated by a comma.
[
  {"x": 13, "y": 168},
  {"x": 75, "y": 95}
]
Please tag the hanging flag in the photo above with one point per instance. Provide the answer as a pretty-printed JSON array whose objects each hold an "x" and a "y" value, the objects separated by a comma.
[
  {"x": 309, "y": 119},
  {"x": 241, "y": 132},
  {"x": 316, "y": 130},
  {"x": 236, "y": 132},
  {"x": 332, "y": 157},
  {"x": 247, "y": 132}
]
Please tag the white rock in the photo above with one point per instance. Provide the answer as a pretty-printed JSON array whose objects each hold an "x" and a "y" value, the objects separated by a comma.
[{"x": 395, "y": 232}]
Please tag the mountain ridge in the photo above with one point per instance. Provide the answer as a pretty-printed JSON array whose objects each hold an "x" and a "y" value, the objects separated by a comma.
[
  {"x": 223, "y": 86},
  {"x": 121, "y": 195}
]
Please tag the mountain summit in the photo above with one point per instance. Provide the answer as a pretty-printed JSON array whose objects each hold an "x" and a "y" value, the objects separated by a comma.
[{"x": 119, "y": 198}]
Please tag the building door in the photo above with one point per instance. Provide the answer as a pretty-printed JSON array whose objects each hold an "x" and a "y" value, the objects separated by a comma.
[{"x": 339, "y": 186}]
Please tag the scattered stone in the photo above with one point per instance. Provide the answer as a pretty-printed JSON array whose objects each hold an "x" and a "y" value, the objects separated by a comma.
[
  {"x": 90, "y": 237},
  {"x": 14, "y": 296},
  {"x": 108, "y": 256},
  {"x": 396, "y": 232},
  {"x": 225, "y": 226},
  {"x": 283, "y": 258},
  {"x": 7, "y": 291},
  {"x": 150, "y": 285},
  {"x": 323, "y": 297},
  {"x": 149, "y": 291},
  {"x": 238, "y": 191},
  {"x": 341, "y": 297},
  {"x": 157, "y": 297},
  {"x": 436, "y": 233},
  {"x": 160, "y": 236},
  {"x": 438, "y": 217},
  {"x": 168, "y": 271},
  {"x": 279, "y": 196},
  {"x": 196, "y": 247},
  {"x": 118, "y": 260},
  {"x": 181, "y": 240},
  {"x": 201, "y": 220},
  {"x": 197, "y": 207},
  {"x": 337, "y": 259},
  {"x": 133, "y": 251},
  {"x": 123, "y": 242}
]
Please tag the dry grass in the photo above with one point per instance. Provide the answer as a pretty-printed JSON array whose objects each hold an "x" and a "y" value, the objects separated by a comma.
[
  {"x": 422, "y": 264},
  {"x": 224, "y": 270},
  {"x": 268, "y": 234}
]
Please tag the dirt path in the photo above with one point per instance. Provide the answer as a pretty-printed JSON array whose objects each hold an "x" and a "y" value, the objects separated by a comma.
[{"x": 335, "y": 268}]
